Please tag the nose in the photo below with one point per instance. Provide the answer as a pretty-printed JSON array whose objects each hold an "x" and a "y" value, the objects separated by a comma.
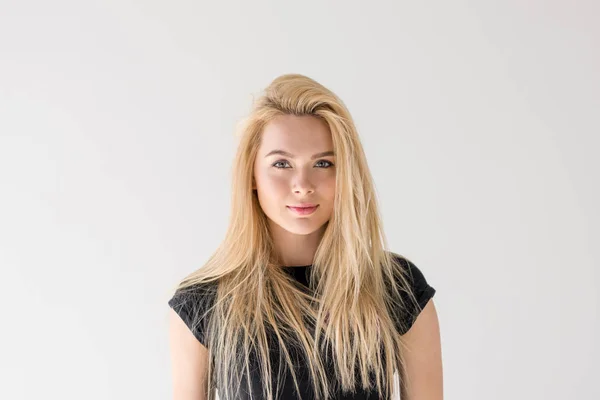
[{"x": 302, "y": 184}]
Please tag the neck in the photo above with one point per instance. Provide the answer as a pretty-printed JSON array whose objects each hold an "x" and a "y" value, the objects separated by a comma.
[{"x": 294, "y": 249}]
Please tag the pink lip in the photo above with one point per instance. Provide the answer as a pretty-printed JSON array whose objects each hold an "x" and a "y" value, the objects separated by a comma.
[
  {"x": 304, "y": 210},
  {"x": 304, "y": 205}
]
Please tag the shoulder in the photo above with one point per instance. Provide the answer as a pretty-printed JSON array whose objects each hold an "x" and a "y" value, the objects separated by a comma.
[
  {"x": 415, "y": 291},
  {"x": 193, "y": 295},
  {"x": 194, "y": 304},
  {"x": 410, "y": 270}
]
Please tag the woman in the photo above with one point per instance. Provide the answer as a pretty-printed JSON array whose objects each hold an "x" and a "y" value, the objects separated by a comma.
[{"x": 301, "y": 299}]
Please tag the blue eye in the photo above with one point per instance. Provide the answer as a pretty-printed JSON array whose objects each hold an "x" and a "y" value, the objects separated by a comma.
[
  {"x": 277, "y": 162},
  {"x": 328, "y": 164}
]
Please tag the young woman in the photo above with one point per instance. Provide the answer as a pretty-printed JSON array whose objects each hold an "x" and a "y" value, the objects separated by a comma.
[{"x": 302, "y": 300}]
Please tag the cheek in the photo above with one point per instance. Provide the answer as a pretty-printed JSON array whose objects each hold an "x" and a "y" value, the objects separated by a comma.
[
  {"x": 271, "y": 184},
  {"x": 329, "y": 187}
]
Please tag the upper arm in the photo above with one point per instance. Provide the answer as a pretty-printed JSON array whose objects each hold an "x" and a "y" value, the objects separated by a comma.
[
  {"x": 189, "y": 361},
  {"x": 423, "y": 357}
]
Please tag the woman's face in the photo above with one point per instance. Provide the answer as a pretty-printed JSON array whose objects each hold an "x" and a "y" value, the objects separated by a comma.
[{"x": 295, "y": 165}]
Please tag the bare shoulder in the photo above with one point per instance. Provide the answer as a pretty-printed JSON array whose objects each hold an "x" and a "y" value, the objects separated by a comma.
[
  {"x": 189, "y": 361},
  {"x": 423, "y": 356}
]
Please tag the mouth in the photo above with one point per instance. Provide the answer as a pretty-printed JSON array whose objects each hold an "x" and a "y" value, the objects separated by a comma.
[{"x": 303, "y": 210}]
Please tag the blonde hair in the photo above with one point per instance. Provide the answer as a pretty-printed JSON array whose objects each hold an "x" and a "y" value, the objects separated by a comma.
[{"x": 354, "y": 282}]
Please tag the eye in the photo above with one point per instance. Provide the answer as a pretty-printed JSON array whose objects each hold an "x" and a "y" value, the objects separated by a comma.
[
  {"x": 329, "y": 163},
  {"x": 278, "y": 162}
]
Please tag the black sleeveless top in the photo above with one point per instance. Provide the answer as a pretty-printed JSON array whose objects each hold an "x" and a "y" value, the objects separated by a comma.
[{"x": 189, "y": 303}]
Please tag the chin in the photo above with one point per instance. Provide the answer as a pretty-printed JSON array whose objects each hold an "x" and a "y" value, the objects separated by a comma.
[
  {"x": 299, "y": 229},
  {"x": 302, "y": 231}
]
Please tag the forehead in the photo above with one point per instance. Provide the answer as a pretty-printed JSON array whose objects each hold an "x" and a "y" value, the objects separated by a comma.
[{"x": 296, "y": 134}]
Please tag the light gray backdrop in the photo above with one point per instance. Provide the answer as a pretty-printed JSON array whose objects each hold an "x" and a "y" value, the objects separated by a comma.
[{"x": 480, "y": 122}]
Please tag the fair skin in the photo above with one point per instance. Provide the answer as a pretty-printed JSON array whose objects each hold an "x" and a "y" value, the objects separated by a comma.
[
  {"x": 294, "y": 166},
  {"x": 189, "y": 361},
  {"x": 424, "y": 372}
]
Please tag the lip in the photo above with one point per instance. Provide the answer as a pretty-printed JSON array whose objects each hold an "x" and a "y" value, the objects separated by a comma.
[
  {"x": 304, "y": 205},
  {"x": 304, "y": 209}
]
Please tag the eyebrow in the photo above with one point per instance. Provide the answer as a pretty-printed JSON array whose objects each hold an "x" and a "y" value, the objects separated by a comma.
[{"x": 285, "y": 153}]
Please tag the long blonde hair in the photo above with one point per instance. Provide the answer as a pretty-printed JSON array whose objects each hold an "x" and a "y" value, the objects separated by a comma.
[{"x": 354, "y": 282}]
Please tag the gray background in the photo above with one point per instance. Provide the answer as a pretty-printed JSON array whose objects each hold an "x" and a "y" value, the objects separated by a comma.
[{"x": 479, "y": 119}]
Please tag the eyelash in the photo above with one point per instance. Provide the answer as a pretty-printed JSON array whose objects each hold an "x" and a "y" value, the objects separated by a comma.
[{"x": 283, "y": 161}]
